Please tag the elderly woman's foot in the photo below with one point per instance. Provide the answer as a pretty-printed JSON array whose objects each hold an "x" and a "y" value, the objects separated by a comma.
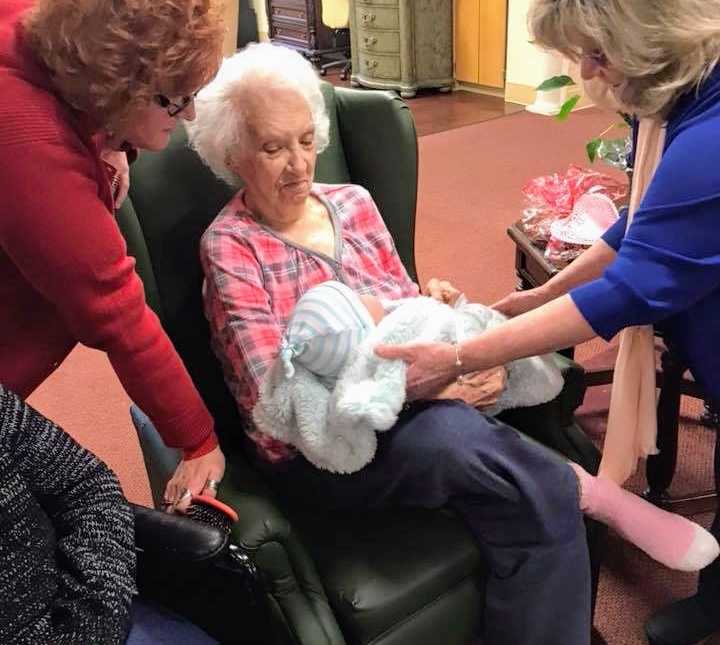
[{"x": 666, "y": 537}]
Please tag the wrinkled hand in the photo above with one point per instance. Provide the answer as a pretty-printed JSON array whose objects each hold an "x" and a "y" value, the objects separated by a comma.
[
  {"x": 431, "y": 366},
  {"x": 442, "y": 291},
  {"x": 118, "y": 160},
  {"x": 191, "y": 477},
  {"x": 478, "y": 389},
  {"x": 520, "y": 302}
]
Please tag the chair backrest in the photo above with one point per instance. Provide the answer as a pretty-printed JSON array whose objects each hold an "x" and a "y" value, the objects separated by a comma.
[
  {"x": 336, "y": 13},
  {"x": 174, "y": 197}
]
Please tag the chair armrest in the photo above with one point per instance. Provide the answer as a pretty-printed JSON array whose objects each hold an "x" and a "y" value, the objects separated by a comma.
[
  {"x": 289, "y": 574},
  {"x": 176, "y": 539}
]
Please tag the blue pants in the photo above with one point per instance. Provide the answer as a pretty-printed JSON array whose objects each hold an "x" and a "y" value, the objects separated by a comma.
[
  {"x": 151, "y": 625},
  {"x": 519, "y": 499}
]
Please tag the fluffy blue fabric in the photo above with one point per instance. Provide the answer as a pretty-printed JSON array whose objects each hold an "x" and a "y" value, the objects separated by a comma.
[{"x": 335, "y": 428}]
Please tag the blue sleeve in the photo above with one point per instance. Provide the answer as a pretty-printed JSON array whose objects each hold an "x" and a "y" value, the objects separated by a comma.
[
  {"x": 670, "y": 256},
  {"x": 615, "y": 234}
]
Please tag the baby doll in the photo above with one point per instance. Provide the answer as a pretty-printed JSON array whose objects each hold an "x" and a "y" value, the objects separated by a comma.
[{"x": 328, "y": 394}]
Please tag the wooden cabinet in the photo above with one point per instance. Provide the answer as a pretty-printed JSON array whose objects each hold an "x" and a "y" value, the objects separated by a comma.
[
  {"x": 298, "y": 24},
  {"x": 401, "y": 44},
  {"x": 480, "y": 41}
]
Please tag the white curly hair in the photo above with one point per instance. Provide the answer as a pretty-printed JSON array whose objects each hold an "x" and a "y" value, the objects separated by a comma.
[{"x": 220, "y": 125}]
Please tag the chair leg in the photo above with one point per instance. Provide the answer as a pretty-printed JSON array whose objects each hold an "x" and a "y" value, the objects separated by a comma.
[
  {"x": 336, "y": 63},
  {"x": 346, "y": 71},
  {"x": 711, "y": 416},
  {"x": 660, "y": 468}
]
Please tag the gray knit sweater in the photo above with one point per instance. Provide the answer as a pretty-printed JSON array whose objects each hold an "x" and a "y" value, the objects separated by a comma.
[{"x": 67, "y": 560}]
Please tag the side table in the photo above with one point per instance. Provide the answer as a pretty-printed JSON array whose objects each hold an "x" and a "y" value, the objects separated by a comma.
[{"x": 673, "y": 380}]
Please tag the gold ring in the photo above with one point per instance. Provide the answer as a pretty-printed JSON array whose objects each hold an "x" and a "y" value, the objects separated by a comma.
[{"x": 212, "y": 484}]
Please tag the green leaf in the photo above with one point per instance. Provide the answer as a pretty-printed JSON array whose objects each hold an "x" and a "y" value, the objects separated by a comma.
[
  {"x": 567, "y": 107},
  {"x": 592, "y": 148},
  {"x": 555, "y": 83}
]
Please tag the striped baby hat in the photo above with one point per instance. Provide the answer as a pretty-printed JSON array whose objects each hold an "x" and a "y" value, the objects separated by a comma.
[{"x": 328, "y": 322}]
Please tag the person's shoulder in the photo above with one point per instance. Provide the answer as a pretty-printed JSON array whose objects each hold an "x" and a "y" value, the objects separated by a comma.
[
  {"x": 31, "y": 114},
  {"x": 690, "y": 167},
  {"x": 693, "y": 158},
  {"x": 350, "y": 201},
  {"x": 231, "y": 225},
  {"x": 342, "y": 192},
  {"x": 232, "y": 218}
]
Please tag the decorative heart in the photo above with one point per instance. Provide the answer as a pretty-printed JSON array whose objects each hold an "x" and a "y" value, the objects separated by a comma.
[{"x": 592, "y": 215}]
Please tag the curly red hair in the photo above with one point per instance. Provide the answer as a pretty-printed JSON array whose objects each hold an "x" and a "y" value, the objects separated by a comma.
[{"x": 108, "y": 57}]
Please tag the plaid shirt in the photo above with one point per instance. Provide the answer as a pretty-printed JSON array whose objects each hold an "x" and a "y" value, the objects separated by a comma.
[{"x": 254, "y": 277}]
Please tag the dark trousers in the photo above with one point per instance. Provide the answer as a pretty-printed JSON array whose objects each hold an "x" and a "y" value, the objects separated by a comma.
[
  {"x": 519, "y": 499},
  {"x": 152, "y": 625},
  {"x": 709, "y": 584}
]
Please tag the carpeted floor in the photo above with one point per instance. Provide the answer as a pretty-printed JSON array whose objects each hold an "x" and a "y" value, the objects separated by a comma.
[{"x": 470, "y": 181}]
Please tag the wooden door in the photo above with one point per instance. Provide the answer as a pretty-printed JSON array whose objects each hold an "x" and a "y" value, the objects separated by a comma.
[
  {"x": 467, "y": 40},
  {"x": 480, "y": 41},
  {"x": 493, "y": 39}
]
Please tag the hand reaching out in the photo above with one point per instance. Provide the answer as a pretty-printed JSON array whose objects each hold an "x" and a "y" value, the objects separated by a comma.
[
  {"x": 442, "y": 291},
  {"x": 520, "y": 302},
  {"x": 118, "y": 160},
  {"x": 198, "y": 476}
]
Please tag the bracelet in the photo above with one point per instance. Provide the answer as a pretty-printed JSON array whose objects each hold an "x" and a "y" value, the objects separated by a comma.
[{"x": 458, "y": 363}]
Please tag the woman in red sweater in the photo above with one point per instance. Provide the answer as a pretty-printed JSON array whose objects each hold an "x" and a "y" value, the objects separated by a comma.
[{"x": 82, "y": 83}]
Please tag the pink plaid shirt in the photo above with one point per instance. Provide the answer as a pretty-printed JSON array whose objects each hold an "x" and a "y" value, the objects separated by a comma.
[{"x": 254, "y": 277}]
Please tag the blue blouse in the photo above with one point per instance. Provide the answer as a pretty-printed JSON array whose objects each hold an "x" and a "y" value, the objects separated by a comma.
[{"x": 667, "y": 269}]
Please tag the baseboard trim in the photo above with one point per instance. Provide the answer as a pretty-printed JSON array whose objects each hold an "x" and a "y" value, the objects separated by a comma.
[
  {"x": 526, "y": 95},
  {"x": 479, "y": 89},
  {"x": 520, "y": 94}
]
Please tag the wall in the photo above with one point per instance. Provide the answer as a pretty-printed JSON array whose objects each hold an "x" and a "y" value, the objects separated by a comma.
[{"x": 527, "y": 66}]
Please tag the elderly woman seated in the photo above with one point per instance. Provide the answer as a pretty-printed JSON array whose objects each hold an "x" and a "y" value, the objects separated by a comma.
[{"x": 262, "y": 122}]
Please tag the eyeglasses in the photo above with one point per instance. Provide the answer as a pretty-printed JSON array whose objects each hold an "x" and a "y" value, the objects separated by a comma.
[{"x": 173, "y": 109}]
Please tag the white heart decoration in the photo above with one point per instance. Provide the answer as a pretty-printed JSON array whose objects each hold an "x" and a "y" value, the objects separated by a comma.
[{"x": 592, "y": 215}]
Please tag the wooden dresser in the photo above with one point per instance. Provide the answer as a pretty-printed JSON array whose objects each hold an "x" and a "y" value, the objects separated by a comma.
[
  {"x": 298, "y": 24},
  {"x": 402, "y": 44}
]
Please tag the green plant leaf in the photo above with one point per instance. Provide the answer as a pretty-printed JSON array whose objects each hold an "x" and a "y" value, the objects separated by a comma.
[
  {"x": 567, "y": 107},
  {"x": 592, "y": 148},
  {"x": 555, "y": 83}
]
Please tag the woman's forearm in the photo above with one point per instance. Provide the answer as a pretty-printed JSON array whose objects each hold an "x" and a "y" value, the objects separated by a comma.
[
  {"x": 555, "y": 325},
  {"x": 589, "y": 266}
]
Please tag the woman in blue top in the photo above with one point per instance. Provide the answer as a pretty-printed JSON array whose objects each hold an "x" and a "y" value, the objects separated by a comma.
[{"x": 658, "y": 58}]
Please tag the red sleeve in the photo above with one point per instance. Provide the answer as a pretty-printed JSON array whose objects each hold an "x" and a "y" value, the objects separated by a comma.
[{"x": 66, "y": 243}]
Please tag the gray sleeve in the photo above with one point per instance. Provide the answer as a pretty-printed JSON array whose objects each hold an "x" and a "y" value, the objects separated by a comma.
[{"x": 93, "y": 524}]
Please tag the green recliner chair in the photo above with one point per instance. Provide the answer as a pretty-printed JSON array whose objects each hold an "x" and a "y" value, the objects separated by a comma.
[{"x": 409, "y": 577}]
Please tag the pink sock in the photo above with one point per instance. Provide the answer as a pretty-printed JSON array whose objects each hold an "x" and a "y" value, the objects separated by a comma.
[{"x": 666, "y": 537}]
